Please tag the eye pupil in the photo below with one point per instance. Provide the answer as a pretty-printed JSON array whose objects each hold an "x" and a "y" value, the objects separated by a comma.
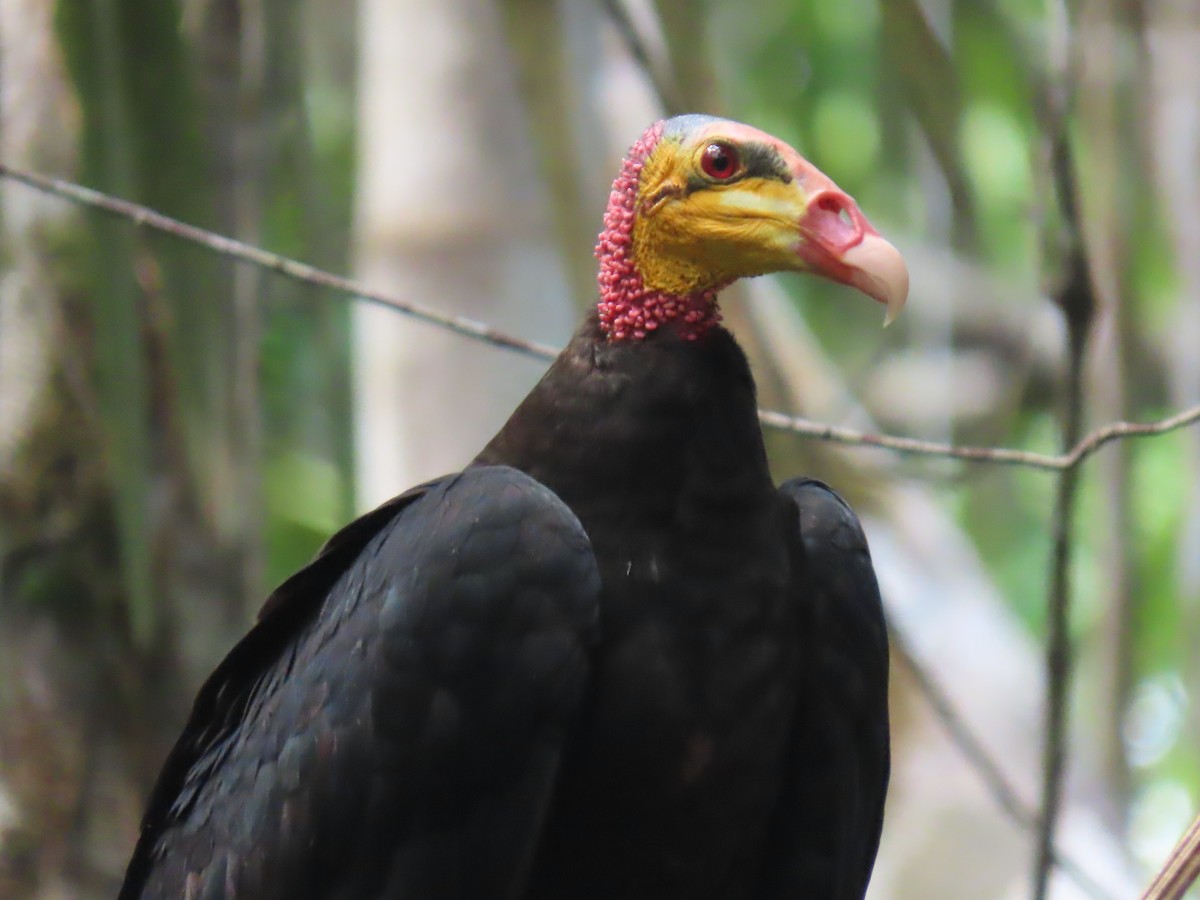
[{"x": 719, "y": 161}]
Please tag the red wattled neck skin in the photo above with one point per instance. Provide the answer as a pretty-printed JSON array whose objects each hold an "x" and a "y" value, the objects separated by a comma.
[{"x": 628, "y": 309}]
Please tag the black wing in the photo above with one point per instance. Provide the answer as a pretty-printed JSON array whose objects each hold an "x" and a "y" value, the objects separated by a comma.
[
  {"x": 826, "y": 833},
  {"x": 393, "y": 724}
]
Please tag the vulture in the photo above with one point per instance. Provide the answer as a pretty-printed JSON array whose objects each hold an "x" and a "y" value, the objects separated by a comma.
[{"x": 610, "y": 658}]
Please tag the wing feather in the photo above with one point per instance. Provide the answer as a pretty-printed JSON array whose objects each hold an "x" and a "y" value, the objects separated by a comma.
[
  {"x": 393, "y": 724},
  {"x": 830, "y": 814}
]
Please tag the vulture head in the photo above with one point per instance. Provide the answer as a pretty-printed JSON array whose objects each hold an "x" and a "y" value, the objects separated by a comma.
[{"x": 701, "y": 202}]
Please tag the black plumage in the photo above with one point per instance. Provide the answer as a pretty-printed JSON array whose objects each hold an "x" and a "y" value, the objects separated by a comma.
[{"x": 610, "y": 659}]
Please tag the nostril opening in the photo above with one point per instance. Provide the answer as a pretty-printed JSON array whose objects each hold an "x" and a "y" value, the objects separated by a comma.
[{"x": 832, "y": 203}]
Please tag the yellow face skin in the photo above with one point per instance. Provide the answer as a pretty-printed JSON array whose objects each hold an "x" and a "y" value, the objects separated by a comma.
[
  {"x": 686, "y": 242},
  {"x": 777, "y": 213}
]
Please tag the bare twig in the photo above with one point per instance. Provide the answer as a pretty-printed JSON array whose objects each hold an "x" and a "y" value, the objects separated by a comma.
[
  {"x": 996, "y": 455},
  {"x": 478, "y": 331},
  {"x": 1076, "y": 299},
  {"x": 1058, "y": 646},
  {"x": 983, "y": 762},
  {"x": 1181, "y": 869},
  {"x": 289, "y": 268}
]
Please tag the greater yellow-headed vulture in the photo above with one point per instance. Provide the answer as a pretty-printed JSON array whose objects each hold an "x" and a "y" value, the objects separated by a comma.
[{"x": 610, "y": 658}]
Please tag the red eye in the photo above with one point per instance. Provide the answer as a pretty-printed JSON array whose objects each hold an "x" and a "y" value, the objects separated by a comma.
[{"x": 719, "y": 161}]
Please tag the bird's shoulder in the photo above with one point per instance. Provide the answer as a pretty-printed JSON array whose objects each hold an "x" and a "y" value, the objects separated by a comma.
[{"x": 837, "y": 561}]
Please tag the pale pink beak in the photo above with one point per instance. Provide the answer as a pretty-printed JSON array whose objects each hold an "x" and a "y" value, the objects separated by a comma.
[{"x": 839, "y": 243}]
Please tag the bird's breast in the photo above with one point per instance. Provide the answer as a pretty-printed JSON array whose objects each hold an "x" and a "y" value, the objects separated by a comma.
[{"x": 678, "y": 759}]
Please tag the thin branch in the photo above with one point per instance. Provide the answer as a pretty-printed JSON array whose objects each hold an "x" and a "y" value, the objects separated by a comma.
[
  {"x": 1058, "y": 645},
  {"x": 1181, "y": 869},
  {"x": 1076, "y": 299},
  {"x": 984, "y": 763},
  {"x": 997, "y": 455},
  {"x": 289, "y": 268},
  {"x": 478, "y": 331}
]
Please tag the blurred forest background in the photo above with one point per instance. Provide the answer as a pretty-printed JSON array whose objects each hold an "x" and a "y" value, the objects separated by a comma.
[{"x": 179, "y": 432}]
